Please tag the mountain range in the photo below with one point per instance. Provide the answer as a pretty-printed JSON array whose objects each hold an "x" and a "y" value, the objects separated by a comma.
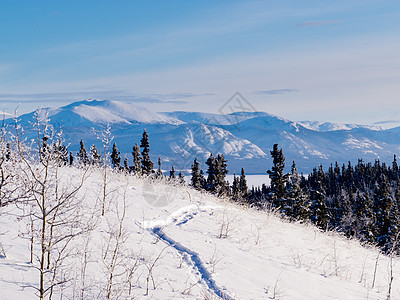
[{"x": 245, "y": 138}]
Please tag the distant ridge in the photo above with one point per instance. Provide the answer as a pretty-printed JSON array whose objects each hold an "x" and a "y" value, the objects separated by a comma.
[{"x": 245, "y": 138}]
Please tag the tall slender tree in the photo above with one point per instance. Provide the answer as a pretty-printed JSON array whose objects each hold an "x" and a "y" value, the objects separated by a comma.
[
  {"x": 82, "y": 154},
  {"x": 278, "y": 178},
  {"x": 137, "y": 160},
  {"x": 196, "y": 180},
  {"x": 95, "y": 157},
  {"x": 147, "y": 164},
  {"x": 115, "y": 157}
]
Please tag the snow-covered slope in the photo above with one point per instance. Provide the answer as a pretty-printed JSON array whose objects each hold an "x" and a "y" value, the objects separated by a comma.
[
  {"x": 329, "y": 126},
  {"x": 196, "y": 246}
]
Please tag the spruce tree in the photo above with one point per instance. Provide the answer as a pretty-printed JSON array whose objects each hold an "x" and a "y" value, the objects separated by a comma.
[
  {"x": 137, "y": 160},
  {"x": 278, "y": 179},
  {"x": 203, "y": 180},
  {"x": 196, "y": 181},
  {"x": 172, "y": 173},
  {"x": 159, "y": 172},
  {"x": 212, "y": 174},
  {"x": 115, "y": 157},
  {"x": 181, "y": 178},
  {"x": 298, "y": 201},
  {"x": 383, "y": 205},
  {"x": 363, "y": 226},
  {"x": 126, "y": 165},
  {"x": 82, "y": 154},
  {"x": 95, "y": 157},
  {"x": 319, "y": 210},
  {"x": 236, "y": 189},
  {"x": 147, "y": 164},
  {"x": 71, "y": 159},
  {"x": 243, "y": 185},
  {"x": 221, "y": 185}
]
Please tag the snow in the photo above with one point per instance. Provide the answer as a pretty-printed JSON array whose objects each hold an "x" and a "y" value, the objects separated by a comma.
[
  {"x": 329, "y": 126},
  {"x": 200, "y": 247},
  {"x": 108, "y": 111}
]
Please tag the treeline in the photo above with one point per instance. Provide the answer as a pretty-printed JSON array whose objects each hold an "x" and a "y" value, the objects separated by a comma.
[{"x": 362, "y": 201}]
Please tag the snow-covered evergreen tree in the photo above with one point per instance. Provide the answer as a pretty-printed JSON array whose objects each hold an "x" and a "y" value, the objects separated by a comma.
[
  {"x": 95, "y": 157},
  {"x": 115, "y": 157},
  {"x": 298, "y": 206},
  {"x": 172, "y": 173},
  {"x": 82, "y": 154},
  {"x": 243, "y": 185},
  {"x": 278, "y": 179},
  {"x": 159, "y": 172},
  {"x": 137, "y": 160}
]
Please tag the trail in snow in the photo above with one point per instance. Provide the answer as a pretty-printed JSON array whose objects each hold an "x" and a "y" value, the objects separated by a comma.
[{"x": 191, "y": 257}]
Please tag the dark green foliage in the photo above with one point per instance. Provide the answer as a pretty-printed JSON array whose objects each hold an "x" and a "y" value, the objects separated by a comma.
[
  {"x": 126, "y": 165},
  {"x": 278, "y": 179},
  {"x": 236, "y": 189},
  {"x": 115, "y": 157},
  {"x": 137, "y": 160},
  {"x": 172, "y": 173},
  {"x": 212, "y": 174},
  {"x": 71, "y": 159},
  {"x": 181, "y": 178},
  {"x": 197, "y": 180},
  {"x": 60, "y": 153},
  {"x": 82, "y": 154},
  {"x": 147, "y": 164},
  {"x": 243, "y": 189},
  {"x": 298, "y": 204},
  {"x": 159, "y": 172},
  {"x": 95, "y": 157}
]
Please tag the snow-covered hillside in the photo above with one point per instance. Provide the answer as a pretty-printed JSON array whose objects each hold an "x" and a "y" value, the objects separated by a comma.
[{"x": 171, "y": 242}]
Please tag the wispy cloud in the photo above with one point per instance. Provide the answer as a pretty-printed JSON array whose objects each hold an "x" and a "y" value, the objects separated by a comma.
[
  {"x": 120, "y": 95},
  {"x": 387, "y": 122},
  {"x": 276, "y": 92},
  {"x": 318, "y": 23}
]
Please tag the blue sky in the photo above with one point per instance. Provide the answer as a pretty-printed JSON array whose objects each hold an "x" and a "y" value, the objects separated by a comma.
[{"x": 302, "y": 60}]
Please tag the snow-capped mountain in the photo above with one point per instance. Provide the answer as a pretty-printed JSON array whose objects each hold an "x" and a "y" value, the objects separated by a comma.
[{"x": 245, "y": 138}]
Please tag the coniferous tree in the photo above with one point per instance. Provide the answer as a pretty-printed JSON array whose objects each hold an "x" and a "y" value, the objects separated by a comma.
[
  {"x": 159, "y": 172},
  {"x": 236, "y": 189},
  {"x": 203, "y": 180},
  {"x": 196, "y": 180},
  {"x": 44, "y": 149},
  {"x": 172, "y": 173},
  {"x": 383, "y": 205},
  {"x": 147, "y": 164},
  {"x": 60, "y": 153},
  {"x": 278, "y": 179},
  {"x": 95, "y": 157},
  {"x": 181, "y": 178},
  {"x": 71, "y": 159},
  {"x": 212, "y": 174},
  {"x": 137, "y": 160},
  {"x": 221, "y": 185},
  {"x": 363, "y": 226},
  {"x": 243, "y": 185},
  {"x": 298, "y": 200},
  {"x": 82, "y": 154},
  {"x": 126, "y": 165},
  {"x": 115, "y": 157},
  {"x": 319, "y": 210}
]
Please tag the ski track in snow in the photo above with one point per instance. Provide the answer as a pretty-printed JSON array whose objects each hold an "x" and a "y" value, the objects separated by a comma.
[{"x": 191, "y": 257}]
